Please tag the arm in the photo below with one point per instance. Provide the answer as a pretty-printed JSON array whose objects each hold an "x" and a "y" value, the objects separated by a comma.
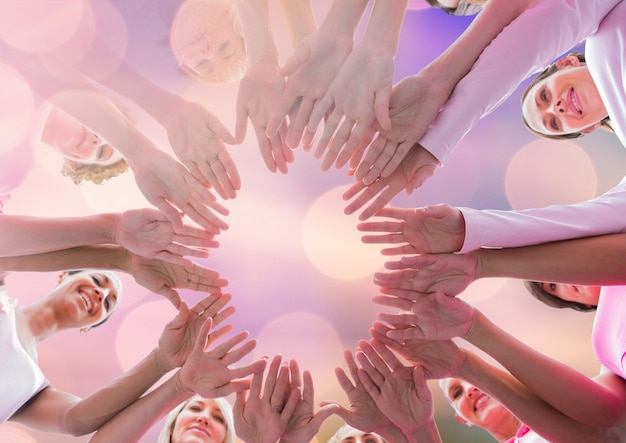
[
  {"x": 300, "y": 19},
  {"x": 516, "y": 53},
  {"x": 313, "y": 66},
  {"x": 207, "y": 372},
  {"x": 262, "y": 85},
  {"x": 361, "y": 91},
  {"x": 416, "y": 100}
]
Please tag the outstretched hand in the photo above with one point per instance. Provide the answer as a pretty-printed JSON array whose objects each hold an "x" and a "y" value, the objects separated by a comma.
[
  {"x": 163, "y": 277},
  {"x": 210, "y": 373},
  {"x": 358, "y": 95},
  {"x": 148, "y": 233},
  {"x": 168, "y": 185},
  {"x": 197, "y": 137},
  {"x": 434, "y": 316},
  {"x": 414, "y": 104},
  {"x": 417, "y": 167},
  {"x": 259, "y": 90},
  {"x": 400, "y": 391},
  {"x": 180, "y": 334},
  {"x": 448, "y": 273},
  {"x": 309, "y": 71},
  {"x": 262, "y": 417},
  {"x": 432, "y": 229}
]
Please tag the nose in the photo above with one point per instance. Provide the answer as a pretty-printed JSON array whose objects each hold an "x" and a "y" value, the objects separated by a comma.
[
  {"x": 98, "y": 294},
  {"x": 559, "y": 106},
  {"x": 472, "y": 391},
  {"x": 203, "y": 418}
]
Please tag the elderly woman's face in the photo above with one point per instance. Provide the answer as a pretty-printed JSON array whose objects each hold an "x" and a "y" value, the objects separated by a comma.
[
  {"x": 204, "y": 38},
  {"x": 565, "y": 102},
  {"x": 200, "y": 421},
  {"x": 76, "y": 142}
]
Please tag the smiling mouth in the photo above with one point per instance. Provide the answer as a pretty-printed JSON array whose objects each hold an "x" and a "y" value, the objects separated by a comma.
[
  {"x": 200, "y": 429},
  {"x": 574, "y": 102},
  {"x": 86, "y": 300},
  {"x": 483, "y": 398}
]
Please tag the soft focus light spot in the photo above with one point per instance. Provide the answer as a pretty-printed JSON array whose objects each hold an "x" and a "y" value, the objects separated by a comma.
[
  {"x": 298, "y": 335},
  {"x": 483, "y": 289},
  {"x": 38, "y": 26},
  {"x": 15, "y": 433},
  {"x": 548, "y": 172},
  {"x": 332, "y": 242},
  {"x": 140, "y": 331},
  {"x": 17, "y": 107}
]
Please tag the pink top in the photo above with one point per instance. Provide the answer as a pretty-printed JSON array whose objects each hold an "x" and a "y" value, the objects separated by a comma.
[{"x": 609, "y": 329}]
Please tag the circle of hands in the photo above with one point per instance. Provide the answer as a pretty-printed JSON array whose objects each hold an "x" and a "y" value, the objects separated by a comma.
[{"x": 373, "y": 128}]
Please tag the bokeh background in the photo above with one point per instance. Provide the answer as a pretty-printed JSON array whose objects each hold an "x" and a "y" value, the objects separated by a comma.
[{"x": 299, "y": 275}]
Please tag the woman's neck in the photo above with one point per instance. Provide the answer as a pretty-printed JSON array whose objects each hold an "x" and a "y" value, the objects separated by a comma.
[
  {"x": 506, "y": 429},
  {"x": 41, "y": 320}
]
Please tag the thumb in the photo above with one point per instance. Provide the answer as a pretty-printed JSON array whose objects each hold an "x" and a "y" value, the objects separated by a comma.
[
  {"x": 220, "y": 130},
  {"x": 172, "y": 296},
  {"x": 381, "y": 108}
]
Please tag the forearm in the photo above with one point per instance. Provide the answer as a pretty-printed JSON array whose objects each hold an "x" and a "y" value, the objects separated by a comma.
[
  {"x": 385, "y": 23},
  {"x": 91, "y": 413},
  {"x": 22, "y": 235},
  {"x": 393, "y": 434},
  {"x": 344, "y": 16},
  {"x": 552, "y": 381},
  {"x": 300, "y": 19},
  {"x": 542, "y": 418},
  {"x": 131, "y": 423},
  {"x": 596, "y": 260},
  {"x": 94, "y": 257},
  {"x": 257, "y": 30},
  {"x": 457, "y": 60},
  {"x": 499, "y": 228}
]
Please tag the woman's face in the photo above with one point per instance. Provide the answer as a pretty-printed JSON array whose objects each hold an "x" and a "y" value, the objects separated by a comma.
[
  {"x": 205, "y": 39},
  {"x": 349, "y": 434},
  {"x": 472, "y": 405},
  {"x": 587, "y": 295},
  {"x": 75, "y": 142},
  {"x": 565, "y": 102},
  {"x": 88, "y": 297},
  {"x": 200, "y": 421}
]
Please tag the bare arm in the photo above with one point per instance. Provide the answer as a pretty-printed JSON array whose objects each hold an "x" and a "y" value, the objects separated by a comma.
[{"x": 300, "y": 19}]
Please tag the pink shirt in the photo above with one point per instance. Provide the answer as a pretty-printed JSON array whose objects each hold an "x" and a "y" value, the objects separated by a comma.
[{"x": 609, "y": 329}]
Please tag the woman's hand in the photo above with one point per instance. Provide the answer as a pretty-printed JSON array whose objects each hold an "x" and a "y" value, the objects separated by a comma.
[
  {"x": 211, "y": 373},
  {"x": 181, "y": 333},
  {"x": 148, "y": 233},
  {"x": 168, "y": 185},
  {"x": 434, "y": 316},
  {"x": 304, "y": 422},
  {"x": 197, "y": 137},
  {"x": 310, "y": 71},
  {"x": 261, "y": 417},
  {"x": 259, "y": 90},
  {"x": 162, "y": 277},
  {"x": 416, "y": 167}
]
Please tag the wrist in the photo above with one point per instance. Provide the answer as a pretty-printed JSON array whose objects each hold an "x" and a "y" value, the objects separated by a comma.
[
  {"x": 160, "y": 363},
  {"x": 180, "y": 386},
  {"x": 427, "y": 432},
  {"x": 111, "y": 227}
]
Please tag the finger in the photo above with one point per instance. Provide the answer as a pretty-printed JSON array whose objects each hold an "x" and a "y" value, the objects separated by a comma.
[
  {"x": 223, "y": 315},
  {"x": 386, "y": 355},
  {"x": 355, "y": 159},
  {"x": 321, "y": 108},
  {"x": 172, "y": 258},
  {"x": 240, "y": 402},
  {"x": 227, "y": 389},
  {"x": 376, "y": 362},
  {"x": 182, "y": 250},
  {"x": 300, "y": 56},
  {"x": 409, "y": 294},
  {"x": 256, "y": 384},
  {"x": 207, "y": 169},
  {"x": 290, "y": 405},
  {"x": 241, "y": 122},
  {"x": 381, "y": 107},
  {"x": 381, "y": 226},
  {"x": 247, "y": 370},
  {"x": 406, "y": 249},
  {"x": 405, "y": 334},
  {"x": 216, "y": 334},
  {"x": 308, "y": 139},
  {"x": 373, "y": 152},
  {"x": 280, "y": 388},
  {"x": 173, "y": 296},
  {"x": 282, "y": 110},
  {"x": 403, "y": 275},
  {"x": 344, "y": 381},
  {"x": 239, "y": 353},
  {"x": 169, "y": 211},
  {"x": 383, "y": 199},
  {"x": 224, "y": 178},
  {"x": 367, "y": 193},
  {"x": 188, "y": 231},
  {"x": 401, "y": 151},
  {"x": 355, "y": 138},
  {"x": 338, "y": 142},
  {"x": 366, "y": 379},
  {"x": 203, "y": 335},
  {"x": 397, "y": 319},
  {"x": 231, "y": 170},
  {"x": 325, "y": 412},
  {"x": 222, "y": 351},
  {"x": 280, "y": 152},
  {"x": 308, "y": 393},
  {"x": 330, "y": 126},
  {"x": 351, "y": 363},
  {"x": 388, "y": 152},
  {"x": 265, "y": 148},
  {"x": 270, "y": 379},
  {"x": 297, "y": 127},
  {"x": 393, "y": 302}
]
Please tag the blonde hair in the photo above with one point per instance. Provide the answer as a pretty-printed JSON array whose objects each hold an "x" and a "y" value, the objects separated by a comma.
[
  {"x": 233, "y": 71},
  {"x": 335, "y": 437},
  {"x": 170, "y": 421},
  {"x": 92, "y": 172}
]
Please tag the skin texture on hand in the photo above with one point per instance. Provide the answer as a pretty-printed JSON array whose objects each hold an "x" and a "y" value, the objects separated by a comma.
[
  {"x": 147, "y": 232},
  {"x": 197, "y": 137},
  {"x": 432, "y": 229},
  {"x": 179, "y": 335},
  {"x": 259, "y": 90},
  {"x": 210, "y": 373},
  {"x": 162, "y": 277},
  {"x": 263, "y": 416},
  {"x": 309, "y": 71},
  {"x": 417, "y": 167}
]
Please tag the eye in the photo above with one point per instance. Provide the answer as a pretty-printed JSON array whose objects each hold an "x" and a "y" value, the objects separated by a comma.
[
  {"x": 554, "y": 124},
  {"x": 456, "y": 393},
  {"x": 96, "y": 280},
  {"x": 195, "y": 408},
  {"x": 224, "y": 46},
  {"x": 552, "y": 286},
  {"x": 543, "y": 96},
  {"x": 218, "y": 418}
]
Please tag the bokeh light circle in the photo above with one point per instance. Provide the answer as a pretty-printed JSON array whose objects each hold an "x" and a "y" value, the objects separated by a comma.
[
  {"x": 332, "y": 242},
  {"x": 38, "y": 26},
  {"x": 17, "y": 110},
  {"x": 548, "y": 172},
  {"x": 297, "y": 335}
]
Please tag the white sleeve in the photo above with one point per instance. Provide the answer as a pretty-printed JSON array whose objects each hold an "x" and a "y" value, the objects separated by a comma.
[
  {"x": 605, "y": 214},
  {"x": 530, "y": 43}
]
